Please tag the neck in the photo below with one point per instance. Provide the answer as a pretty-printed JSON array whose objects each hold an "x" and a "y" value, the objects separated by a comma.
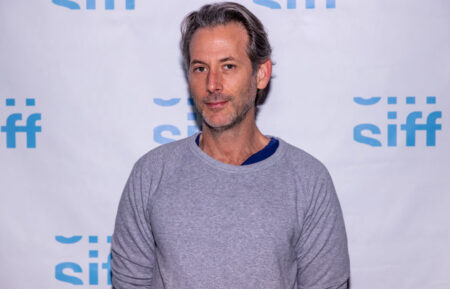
[{"x": 234, "y": 145}]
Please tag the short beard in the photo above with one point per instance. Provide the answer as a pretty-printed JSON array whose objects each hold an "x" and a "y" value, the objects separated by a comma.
[{"x": 239, "y": 118}]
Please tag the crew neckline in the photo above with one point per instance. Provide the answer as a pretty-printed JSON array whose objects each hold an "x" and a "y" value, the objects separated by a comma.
[
  {"x": 236, "y": 168},
  {"x": 268, "y": 150}
]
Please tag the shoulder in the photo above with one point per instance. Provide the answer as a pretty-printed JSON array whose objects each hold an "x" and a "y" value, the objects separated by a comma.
[
  {"x": 162, "y": 161},
  {"x": 156, "y": 167},
  {"x": 164, "y": 155},
  {"x": 314, "y": 183},
  {"x": 301, "y": 162}
]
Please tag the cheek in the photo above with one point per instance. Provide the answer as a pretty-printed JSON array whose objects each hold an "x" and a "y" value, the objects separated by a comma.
[
  {"x": 247, "y": 86},
  {"x": 195, "y": 85},
  {"x": 237, "y": 84}
]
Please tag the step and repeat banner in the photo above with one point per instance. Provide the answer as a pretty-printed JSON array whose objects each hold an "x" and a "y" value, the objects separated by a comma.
[{"x": 88, "y": 86}]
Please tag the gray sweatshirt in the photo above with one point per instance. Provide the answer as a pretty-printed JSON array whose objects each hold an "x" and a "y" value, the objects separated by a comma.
[{"x": 188, "y": 221}]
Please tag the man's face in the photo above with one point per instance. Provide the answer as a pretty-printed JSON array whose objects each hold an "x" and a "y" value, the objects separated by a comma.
[{"x": 221, "y": 79}]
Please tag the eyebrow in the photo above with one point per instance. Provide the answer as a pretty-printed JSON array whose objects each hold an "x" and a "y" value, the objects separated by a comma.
[
  {"x": 229, "y": 58},
  {"x": 196, "y": 61}
]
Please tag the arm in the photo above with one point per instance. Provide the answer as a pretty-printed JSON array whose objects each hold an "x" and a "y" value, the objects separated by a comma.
[
  {"x": 322, "y": 253},
  {"x": 132, "y": 245}
]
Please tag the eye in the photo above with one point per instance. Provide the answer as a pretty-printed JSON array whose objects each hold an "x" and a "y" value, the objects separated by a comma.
[
  {"x": 199, "y": 69},
  {"x": 229, "y": 66}
]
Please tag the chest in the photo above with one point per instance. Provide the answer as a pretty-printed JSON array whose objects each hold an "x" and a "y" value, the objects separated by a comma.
[{"x": 227, "y": 213}]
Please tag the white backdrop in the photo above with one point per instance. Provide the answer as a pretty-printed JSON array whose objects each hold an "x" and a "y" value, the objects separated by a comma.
[{"x": 105, "y": 85}]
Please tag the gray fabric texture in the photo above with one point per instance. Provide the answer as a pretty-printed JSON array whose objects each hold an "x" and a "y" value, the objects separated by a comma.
[{"x": 188, "y": 221}]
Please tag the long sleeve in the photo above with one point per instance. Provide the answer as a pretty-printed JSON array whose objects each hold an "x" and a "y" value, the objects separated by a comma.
[
  {"x": 133, "y": 248},
  {"x": 322, "y": 252}
]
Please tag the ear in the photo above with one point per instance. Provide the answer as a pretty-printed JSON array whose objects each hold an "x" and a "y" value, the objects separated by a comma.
[{"x": 263, "y": 74}]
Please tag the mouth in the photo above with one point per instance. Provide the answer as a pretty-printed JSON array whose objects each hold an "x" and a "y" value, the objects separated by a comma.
[{"x": 216, "y": 104}]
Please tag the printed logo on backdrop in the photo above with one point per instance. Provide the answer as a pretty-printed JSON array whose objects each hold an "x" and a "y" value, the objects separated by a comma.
[
  {"x": 292, "y": 4},
  {"x": 88, "y": 272},
  {"x": 17, "y": 121},
  {"x": 410, "y": 121},
  {"x": 92, "y": 4},
  {"x": 165, "y": 133}
]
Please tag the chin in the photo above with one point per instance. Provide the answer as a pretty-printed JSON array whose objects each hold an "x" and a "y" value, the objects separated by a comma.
[{"x": 221, "y": 124}]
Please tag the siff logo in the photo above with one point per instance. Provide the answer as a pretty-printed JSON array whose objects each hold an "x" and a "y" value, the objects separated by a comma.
[
  {"x": 292, "y": 4},
  {"x": 91, "y": 4},
  {"x": 411, "y": 125},
  {"x": 61, "y": 269},
  {"x": 30, "y": 128},
  {"x": 160, "y": 130}
]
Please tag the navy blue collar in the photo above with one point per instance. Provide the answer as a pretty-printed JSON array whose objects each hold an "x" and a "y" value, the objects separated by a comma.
[{"x": 261, "y": 155}]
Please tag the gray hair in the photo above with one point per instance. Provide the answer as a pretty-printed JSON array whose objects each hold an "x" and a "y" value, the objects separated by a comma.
[{"x": 211, "y": 15}]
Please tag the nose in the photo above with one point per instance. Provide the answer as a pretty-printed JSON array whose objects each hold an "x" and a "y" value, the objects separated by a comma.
[{"x": 214, "y": 81}]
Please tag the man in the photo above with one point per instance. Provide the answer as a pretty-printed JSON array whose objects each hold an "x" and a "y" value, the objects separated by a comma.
[{"x": 230, "y": 207}]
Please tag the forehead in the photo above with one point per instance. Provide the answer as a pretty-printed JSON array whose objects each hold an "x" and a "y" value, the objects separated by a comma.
[{"x": 219, "y": 41}]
